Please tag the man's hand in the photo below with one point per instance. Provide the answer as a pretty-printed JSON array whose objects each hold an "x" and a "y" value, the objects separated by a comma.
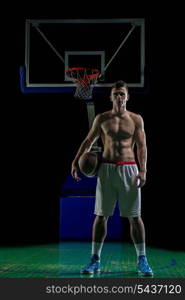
[
  {"x": 141, "y": 179},
  {"x": 74, "y": 172}
]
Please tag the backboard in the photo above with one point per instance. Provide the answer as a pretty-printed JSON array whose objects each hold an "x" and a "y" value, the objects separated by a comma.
[{"x": 114, "y": 46}]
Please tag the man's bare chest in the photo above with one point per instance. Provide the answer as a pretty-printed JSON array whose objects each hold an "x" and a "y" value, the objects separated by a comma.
[{"x": 119, "y": 128}]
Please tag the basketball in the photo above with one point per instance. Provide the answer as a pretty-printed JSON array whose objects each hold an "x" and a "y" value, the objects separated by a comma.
[{"x": 88, "y": 164}]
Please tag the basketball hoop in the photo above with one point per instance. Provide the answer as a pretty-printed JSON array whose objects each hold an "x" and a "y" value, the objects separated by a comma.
[{"x": 85, "y": 79}]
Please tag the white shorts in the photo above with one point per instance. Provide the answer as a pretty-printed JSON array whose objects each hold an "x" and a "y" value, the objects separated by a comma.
[{"x": 117, "y": 183}]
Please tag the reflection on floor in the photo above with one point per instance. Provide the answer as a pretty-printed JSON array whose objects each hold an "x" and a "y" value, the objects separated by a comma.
[{"x": 65, "y": 259}]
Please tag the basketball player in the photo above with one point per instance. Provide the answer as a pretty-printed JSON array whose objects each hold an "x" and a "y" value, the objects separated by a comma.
[{"x": 118, "y": 175}]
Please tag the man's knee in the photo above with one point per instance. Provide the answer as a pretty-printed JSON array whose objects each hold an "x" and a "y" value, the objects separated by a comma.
[
  {"x": 101, "y": 219},
  {"x": 135, "y": 220}
]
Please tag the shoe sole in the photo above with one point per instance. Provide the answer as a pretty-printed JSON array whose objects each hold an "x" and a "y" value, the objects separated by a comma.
[{"x": 145, "y": 274}]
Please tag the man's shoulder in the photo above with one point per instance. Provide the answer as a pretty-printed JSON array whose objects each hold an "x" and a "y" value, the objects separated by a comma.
[
  {"x": 135, "y": 117},
  {"x": 138, "y": 120},
  {"x": 103, "y": 115}
]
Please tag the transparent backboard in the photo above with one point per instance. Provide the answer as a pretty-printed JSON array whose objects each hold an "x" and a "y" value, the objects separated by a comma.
[{"x": 114, "y": 46}]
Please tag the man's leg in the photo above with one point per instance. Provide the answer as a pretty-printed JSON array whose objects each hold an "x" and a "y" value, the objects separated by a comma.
[
  {"x": 99, "y": 233},
  {"x": 137, "y": 232}
]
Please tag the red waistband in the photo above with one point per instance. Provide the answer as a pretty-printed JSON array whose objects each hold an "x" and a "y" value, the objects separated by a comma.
[{"x": 106, "y": 161}]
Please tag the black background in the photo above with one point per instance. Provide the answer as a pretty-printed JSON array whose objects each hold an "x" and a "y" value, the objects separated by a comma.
[{"x": 42, "y": 132}]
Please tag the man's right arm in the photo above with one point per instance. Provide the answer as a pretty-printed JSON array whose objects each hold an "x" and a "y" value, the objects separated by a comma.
[{"x": 86, "y": 145}]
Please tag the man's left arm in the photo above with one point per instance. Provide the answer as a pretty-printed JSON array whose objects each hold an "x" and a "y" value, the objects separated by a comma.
[{"x": 140, "y": 138}]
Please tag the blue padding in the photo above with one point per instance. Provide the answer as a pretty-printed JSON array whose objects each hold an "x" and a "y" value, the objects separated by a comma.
[
  {"x": 29, "y": 90},
  {"x": 85, "y": 187},
  {"x": 77, "y": 216}
]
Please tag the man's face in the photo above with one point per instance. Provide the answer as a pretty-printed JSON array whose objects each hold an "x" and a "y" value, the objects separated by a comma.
[{"x": 119, "y": 96}]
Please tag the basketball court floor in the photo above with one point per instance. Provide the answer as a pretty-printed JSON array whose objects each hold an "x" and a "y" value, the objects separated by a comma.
[{"x": 65, "y": 259}]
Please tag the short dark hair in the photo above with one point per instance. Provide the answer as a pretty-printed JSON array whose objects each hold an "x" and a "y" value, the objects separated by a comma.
[{"x": 118, "y": 84}]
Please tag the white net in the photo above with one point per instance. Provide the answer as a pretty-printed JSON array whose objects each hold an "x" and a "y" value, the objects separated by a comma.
[{"x": 85, "y": 79}]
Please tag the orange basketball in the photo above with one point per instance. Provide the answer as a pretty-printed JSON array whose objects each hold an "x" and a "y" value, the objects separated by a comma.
[{"x": 88, "y": 164}]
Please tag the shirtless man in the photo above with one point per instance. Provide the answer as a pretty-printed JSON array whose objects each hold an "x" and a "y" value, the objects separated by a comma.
[{"x": 118, "y": 175}]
